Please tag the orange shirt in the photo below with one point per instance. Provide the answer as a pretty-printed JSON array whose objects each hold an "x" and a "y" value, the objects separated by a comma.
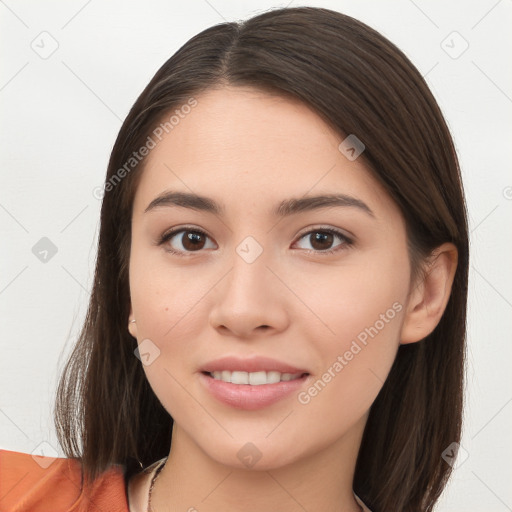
[{"x": 44, "y": 484}]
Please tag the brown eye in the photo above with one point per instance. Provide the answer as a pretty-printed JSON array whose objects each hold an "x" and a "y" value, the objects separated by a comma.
[
  {"x": 321, "y": 240},
  {"x": 191, "y": 240}
]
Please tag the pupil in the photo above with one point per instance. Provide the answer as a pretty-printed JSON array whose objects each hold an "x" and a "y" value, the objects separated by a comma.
[
  {"x": 193, "y": 238},
  {"x": 322, "y": 237}
]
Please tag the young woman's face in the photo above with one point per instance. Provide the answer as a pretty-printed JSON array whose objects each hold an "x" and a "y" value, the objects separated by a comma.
[{"x": 260, "y": 283}]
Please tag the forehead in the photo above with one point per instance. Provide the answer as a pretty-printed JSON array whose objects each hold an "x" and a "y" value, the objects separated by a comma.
[{"x": 249, "y": 148}]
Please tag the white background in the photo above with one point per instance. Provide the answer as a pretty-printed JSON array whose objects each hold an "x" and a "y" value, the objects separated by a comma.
[{"x": 59, "y": 119}]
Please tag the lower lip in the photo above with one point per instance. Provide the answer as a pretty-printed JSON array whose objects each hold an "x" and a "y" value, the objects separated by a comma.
[{"x": 245, "y": 396}]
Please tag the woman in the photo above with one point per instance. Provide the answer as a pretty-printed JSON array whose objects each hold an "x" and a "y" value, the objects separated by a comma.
[{"x": 280, "y": 285}]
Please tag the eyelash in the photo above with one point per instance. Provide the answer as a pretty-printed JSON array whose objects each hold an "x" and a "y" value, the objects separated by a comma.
[{"x": 347, "y": 242}]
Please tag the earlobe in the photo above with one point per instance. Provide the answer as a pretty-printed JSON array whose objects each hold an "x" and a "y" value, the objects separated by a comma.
[
  {"x": 132, "y": 326},
  {"x": 428, "y": 301}
]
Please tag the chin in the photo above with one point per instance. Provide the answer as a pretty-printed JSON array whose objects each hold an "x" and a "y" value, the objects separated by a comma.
[{"x": 257, "y": 455}]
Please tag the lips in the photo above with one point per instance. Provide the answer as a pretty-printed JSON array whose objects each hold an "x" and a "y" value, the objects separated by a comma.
[
  {"x": 247, "y": 393},
  {"x": 251, "y": 397},
  {"x": 250, "y": 365}
]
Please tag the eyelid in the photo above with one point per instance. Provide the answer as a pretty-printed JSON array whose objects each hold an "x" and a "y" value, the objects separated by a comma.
[{"x": 325, "y": 227}]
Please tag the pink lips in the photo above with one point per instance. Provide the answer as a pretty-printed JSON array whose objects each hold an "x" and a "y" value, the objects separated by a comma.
[
  {"x": 255, "y": 364},
  {"x": 245, "y": 396}
]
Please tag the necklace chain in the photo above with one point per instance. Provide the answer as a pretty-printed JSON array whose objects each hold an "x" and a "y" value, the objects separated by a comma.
[{"x": 153, "y": 480}]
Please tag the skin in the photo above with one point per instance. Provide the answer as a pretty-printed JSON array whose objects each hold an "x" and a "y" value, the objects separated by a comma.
[{"x": 249, "y": 151}]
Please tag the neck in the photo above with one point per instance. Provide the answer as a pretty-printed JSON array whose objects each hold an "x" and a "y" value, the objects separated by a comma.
[{"x": 321, "y": 481}]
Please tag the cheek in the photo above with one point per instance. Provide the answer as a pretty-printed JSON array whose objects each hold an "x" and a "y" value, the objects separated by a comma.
[
  {"x": 168, "y": 317},
  {"x": 166, "y": 304},
  {"x": 347, "y": 300},
  {"x": 166, "y": 300},
  {"x": 361, "y": 312}
]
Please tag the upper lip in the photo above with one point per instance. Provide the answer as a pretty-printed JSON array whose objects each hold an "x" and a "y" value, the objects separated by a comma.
[{"x": 253, "y": 364}]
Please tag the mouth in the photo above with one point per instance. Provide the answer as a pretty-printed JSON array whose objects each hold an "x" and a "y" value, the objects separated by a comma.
[
  {"x": 258, "y": 378},
  {"x": 252, "y": 383},
  {"x": 252, "y": 390}
]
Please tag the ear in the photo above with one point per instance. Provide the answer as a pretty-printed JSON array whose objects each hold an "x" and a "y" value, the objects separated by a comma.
[
  {"x": 430, "y": 296},
  {"x": 132, "y": 326}
]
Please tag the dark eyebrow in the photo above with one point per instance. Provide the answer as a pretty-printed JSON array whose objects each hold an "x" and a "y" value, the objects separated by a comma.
[{"x": 284, "y": 209}]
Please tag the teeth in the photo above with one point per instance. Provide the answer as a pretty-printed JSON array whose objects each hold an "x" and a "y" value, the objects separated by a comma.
[
  {"x": 240, "y": 378},
  {"x": 253, "y": 378}
]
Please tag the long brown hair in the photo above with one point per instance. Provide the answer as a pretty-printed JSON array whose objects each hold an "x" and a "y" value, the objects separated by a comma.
[{"x": 361, "y": 84}]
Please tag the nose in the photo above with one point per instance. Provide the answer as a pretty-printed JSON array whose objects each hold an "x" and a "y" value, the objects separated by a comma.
[{"x": 250, "y": 300}]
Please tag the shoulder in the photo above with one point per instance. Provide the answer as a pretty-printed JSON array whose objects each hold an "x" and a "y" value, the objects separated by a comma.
[{"x": 40, "y": 484}]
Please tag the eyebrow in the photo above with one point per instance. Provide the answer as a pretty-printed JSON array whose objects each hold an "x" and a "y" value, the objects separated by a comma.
[{"x": 284, "y": 209}]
